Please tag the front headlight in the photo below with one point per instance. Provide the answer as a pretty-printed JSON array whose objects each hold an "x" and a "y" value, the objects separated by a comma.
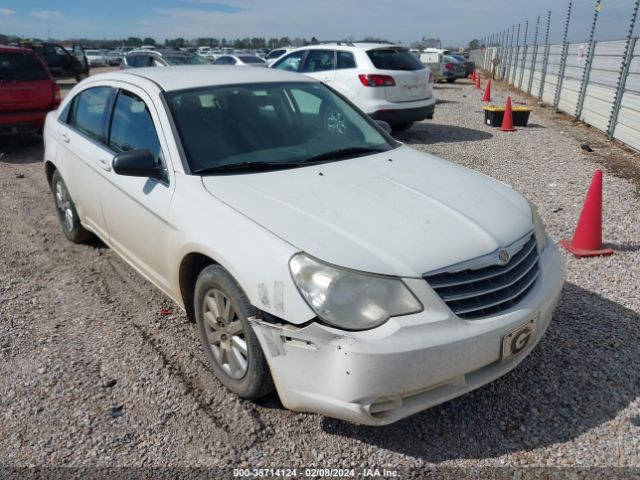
[
  {"x": 541, "y": 235},
  {"x": 348, "y": 299}
]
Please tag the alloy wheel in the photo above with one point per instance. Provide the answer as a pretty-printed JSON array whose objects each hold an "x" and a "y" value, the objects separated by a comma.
[
  {"x": 64, "y": 205},
  {"x": 225, "y": 334}
]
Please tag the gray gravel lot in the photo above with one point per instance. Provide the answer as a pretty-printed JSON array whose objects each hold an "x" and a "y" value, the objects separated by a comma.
[{"x": 93, "y": 374}]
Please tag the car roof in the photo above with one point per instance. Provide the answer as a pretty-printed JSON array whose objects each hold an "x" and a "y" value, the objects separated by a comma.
[
  {"x": 160, "y": 51},
  {"x": 181, "y": 77},
  {"x": 352, "y": 46}
]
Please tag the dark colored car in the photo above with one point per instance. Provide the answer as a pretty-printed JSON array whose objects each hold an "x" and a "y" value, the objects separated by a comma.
[
  {"x": 27, "y": 91},
  {"x": 160, "y": 58},
  {"x": 60, "y": 62},
  {"x": 469, "y": 66},
  {"x": 453, "y": 69}
]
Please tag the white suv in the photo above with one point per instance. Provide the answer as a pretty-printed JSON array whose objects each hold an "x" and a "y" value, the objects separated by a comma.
[{"x": 385, "y": 81}]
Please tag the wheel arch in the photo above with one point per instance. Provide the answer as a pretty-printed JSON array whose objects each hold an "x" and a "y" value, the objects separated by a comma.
[
  {"x": 190, "y": 267},
  {"x": 49, "y": 169}
]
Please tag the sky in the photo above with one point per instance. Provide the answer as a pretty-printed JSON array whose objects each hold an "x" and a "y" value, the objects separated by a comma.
[{"x": 455, "y": 22}]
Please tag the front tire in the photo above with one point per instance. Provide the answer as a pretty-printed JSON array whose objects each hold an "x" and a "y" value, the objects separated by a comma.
[
  {"x": 401, "y": 127},
  {"x": 67, "y": 213},
  {"x": 222, "y": 311}
]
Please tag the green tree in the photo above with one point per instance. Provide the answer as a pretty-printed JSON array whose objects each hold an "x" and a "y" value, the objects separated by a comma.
[
  {"x": 148, "y": 41},
  {"x": 474, "y": 44},
  {"x": 176, "y": 42},
  {"x": 133, "y": 41}
]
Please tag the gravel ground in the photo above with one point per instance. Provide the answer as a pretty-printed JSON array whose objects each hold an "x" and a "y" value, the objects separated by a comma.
[{"x": 93, "y": 374}]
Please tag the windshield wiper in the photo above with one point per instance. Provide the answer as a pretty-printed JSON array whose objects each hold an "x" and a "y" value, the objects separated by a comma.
[
  {"x": 246, "y": 166},
  {"x": 342, "y": 153}
]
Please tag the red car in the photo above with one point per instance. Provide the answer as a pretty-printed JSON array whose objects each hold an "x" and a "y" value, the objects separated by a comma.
[{"x": 27, "y": 91}]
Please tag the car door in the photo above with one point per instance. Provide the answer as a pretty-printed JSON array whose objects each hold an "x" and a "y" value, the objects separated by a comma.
[
  {"x": 136, "y": 208},
  {"x": 52, "y": 60},
  {"x": 81, "y": 136},
  {"x": 81, "y": 64},
  {"x": 321, "y": 65},
  {"x": 346, "y": 79}
]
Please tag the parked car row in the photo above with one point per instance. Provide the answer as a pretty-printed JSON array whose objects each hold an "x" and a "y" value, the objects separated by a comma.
[{"x": 160, "y": 58}]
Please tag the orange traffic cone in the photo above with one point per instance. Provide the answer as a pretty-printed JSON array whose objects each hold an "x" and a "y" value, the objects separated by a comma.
[
  {"x": 473, "y": 75},
  {"x": 487, "y": 92},
  {"x": 587, "y": 240},
  {"x": 478, "y": 81},
  {"x": 507, "y": 119}
]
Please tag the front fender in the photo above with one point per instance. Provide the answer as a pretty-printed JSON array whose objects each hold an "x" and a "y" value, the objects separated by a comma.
[{"x": 255, "y": 257}]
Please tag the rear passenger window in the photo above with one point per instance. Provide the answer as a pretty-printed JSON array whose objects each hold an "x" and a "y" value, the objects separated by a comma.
[
  {"x": 346, "y": 60},
  {"x": 319, "y": 61},
  {"x": 132, "y": 126},
  {"x": 90, "y": 111}
]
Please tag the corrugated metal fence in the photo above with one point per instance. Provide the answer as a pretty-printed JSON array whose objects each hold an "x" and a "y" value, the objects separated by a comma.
[{"x": 603, "y": 92}]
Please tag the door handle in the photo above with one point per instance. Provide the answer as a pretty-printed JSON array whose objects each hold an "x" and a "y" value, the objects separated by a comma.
[
  {"x": 105, "y": 164},
  {"x": 64, "y": 137}
]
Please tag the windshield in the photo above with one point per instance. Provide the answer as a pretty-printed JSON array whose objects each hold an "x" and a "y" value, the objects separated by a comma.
[
  {"x": 185, "y": 60},
  {"x": 394, "y": 59},
  {"x": 270, "y": 124}
]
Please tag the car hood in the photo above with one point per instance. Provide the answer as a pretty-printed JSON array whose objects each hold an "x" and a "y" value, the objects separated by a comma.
[{"x": 402, "y": 212}]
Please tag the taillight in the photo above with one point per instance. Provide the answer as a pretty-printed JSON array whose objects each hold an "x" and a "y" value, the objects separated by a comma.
[
  {"x": 430, "y": 76},
  {"x": 449, "y": 66},
  {"x": 57, "y": 97},
  {"x": 373, "y": 80}
]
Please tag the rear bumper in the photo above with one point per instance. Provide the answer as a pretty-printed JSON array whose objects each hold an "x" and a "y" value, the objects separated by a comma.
[
  {"x": 410, "y": 363},
  {"x": 22, "y": 121},
  {"x": 394, "y": 116}
]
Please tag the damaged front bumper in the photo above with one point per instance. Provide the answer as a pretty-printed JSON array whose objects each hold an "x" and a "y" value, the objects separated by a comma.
[{"x": 410, "y": 363}]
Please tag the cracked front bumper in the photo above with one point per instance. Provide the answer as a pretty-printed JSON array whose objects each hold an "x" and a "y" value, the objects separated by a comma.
[{"x": 410, "y": 363}]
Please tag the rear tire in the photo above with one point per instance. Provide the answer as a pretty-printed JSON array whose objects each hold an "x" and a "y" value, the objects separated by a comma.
[
  {"x": 401, "y": 127},
  {"x": 67, "y": 213},
  {"x": 451, "y": 80},
  {"x": 81, "y": 76},
  {"x": 222, "y": 312}
]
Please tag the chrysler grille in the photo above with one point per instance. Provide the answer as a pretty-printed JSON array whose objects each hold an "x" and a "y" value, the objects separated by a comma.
[{"x": 475, "y": 293}]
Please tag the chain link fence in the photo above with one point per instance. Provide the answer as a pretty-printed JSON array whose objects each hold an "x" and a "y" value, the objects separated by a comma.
[{"x": 597, "y": 81}]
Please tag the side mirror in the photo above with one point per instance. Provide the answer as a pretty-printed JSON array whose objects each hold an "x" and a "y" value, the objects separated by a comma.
[
  {"x": 138, "y": 163},
  {"x": 385, "y": 126}
]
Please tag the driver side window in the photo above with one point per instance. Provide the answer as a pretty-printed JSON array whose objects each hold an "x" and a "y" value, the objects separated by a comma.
[{"x": 132, "y": 127}]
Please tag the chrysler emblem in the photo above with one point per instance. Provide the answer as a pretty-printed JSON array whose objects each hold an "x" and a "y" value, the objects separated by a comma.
[{"x": 503, "y": 256}]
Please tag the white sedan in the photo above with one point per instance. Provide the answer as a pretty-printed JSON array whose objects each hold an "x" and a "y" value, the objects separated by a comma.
[
  {"x": 96, "y": 58},
  {"x": 360, "y": 278},
  {"x": 240, "y": 60}
]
